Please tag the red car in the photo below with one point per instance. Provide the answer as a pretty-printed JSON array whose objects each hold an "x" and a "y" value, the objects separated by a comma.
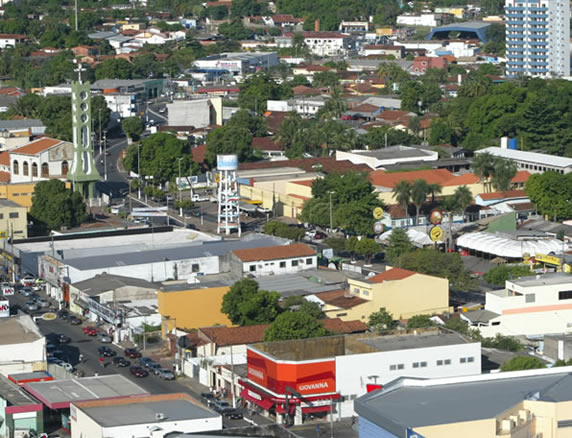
[
  {"x": 132, "y": 353},
  {"x": 90, "y": 330},
  {"x": 137, "y": 371}
]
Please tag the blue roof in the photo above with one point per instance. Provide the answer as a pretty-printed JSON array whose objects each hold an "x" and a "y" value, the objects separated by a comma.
[{"x": 477, "y": 27}]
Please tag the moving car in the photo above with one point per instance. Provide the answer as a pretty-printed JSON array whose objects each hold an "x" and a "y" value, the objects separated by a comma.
[
  {"x": 120, "y": 361},
  {"x": 132, "y": 353},
  {"x": 26, "y": 291},
  {"x": 106, "y": 352},
  {"x": 138, "y": 371},
  {"x": 90, "y": 330},
  {"x": 165, "y": 374},
  {"x": 74, "y": 320},
  {"x": 59, "y": 338},
  {"x": 105, "y": 338}
]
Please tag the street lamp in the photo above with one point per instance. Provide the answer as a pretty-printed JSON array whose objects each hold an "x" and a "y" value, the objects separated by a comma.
[
  {"x": 179, "y": 189},
  {"x": 105, "y": 155},
  {"x": 138, "y": 171},
  {"x": 331, "y": 192}
]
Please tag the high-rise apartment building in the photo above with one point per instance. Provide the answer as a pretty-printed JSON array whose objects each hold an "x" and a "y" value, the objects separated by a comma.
[{"x": 537, "y": 38}]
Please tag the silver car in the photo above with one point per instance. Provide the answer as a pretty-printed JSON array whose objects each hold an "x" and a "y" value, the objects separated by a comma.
[
  {"x": 30, "y": 305},
  {"x": 106, "y": 339},
  {"x": 42, "y": 302},
  {"x": 165, "y": 374}
]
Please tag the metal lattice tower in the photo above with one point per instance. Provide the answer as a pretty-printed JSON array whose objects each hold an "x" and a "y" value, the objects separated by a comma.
[
  {"x": 83, "y": 173},
  {"x": 228, "y": 196}
]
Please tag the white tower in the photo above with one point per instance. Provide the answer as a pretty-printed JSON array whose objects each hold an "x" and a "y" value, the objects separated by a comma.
[{"x": 228, "y": 196}]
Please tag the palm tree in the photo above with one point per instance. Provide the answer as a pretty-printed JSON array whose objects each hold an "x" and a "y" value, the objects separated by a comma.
[
  {"x": 504, "y": 172},
  {"x": 392, "y": 73},
  {"x": 402, "y": 193},
  {"x": 419, "y": 191},
  {"x": 434, "y": 189},
  {"x": 483, "y": 166},
  {"x": 463, "y": 197},
  {"x": 334, "y": 107}
]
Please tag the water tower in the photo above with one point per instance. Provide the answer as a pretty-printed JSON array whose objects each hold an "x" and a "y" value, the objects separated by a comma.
[{"x": 228, "y": 196}]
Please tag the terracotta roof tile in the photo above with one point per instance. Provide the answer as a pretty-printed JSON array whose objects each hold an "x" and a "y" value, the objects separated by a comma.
[
  {"x": 391, "y": 275},
  {"x": 393, "y": 115},
  {"x": 503, "y": 195},
  {"x": 336, "y": 325},
  {"x": 222, "y": 336},
  {"x": 274, "y": 252},
  {"x": 302, "y": 90},
  {"x": 5, "y": 158},
  {"x": 523, "y": 206},
  {"x": 365, "y": 108},
  {"x": 199, "y": 153},
  {"x": 521, "y": 176},
  {"x": 340, "y": 298},
  {"x": 306, "y": 183},
  {"x": 266, "y": 144},
  {"x": 381, "y": 178},
  {"x": 462, "y": 180},
  {"x": 4, "y": 176},
  {"x": 36, "y": 146}
]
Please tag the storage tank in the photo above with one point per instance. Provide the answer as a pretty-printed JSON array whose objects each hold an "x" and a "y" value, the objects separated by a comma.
[{"x": 513, "y": 143}]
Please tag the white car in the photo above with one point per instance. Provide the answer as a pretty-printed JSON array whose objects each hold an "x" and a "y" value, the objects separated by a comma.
[{"x": 199, "y": 198}]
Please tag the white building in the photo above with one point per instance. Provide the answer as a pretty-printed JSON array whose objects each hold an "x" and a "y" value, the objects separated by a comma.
[
  {"x": 151, "y": 416},
  {"x": 377, "y": 159},
  {"x": 321, "y": 43},
  {"x": 531, "y": 161},
  {"x": 198, "y": 113},
  {"x": 429, "y": 20},
  {"x": 40, "y": 160},
  {"x": 238, "y": 63},
  {"x": 275, "y": 260},
  {"x": 306, "y": 106},
  {"x": 10, "y": 40},
  {"x": 22, "y": 346},
  {"x": 354, "y": 26},
  {"x": 529, "y": 306},
  {"x": 537, "y": 38},
  {"x": 122, "y": 105}
]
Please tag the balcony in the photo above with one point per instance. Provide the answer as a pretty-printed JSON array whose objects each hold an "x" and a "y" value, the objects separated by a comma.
[
  {"x": 515, "y": 63},
  {"x": 538, "y": 63},
  {"x": 510, "y": 56},
  {"x": 515, "y": 15},
  {"x": 538, "y": 9},
  {"x": 511, "y": 22},
  {"x": 514, "y": 8}
]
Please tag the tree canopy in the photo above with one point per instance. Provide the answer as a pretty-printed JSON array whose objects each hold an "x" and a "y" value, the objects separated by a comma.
[
  {"x": 294, "y": 325},
  {"x": 550, "y": 192},
  {"x": 399, "y": 244},
  {"x": 522, "y": 363},
  {"x": 500, "y": 274},
  {"x": 246, "y": 304},
  {"x": 54, "y": 206},
  {"x": 132, "y": 127}
]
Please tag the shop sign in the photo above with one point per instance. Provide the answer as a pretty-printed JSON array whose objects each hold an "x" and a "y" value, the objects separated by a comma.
[{"x": 4, "y": 308}]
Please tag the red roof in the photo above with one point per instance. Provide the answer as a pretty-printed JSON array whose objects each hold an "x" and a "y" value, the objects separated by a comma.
[
  {"x": 328, "y": 165},
  {"x": 384, "y": 179},
  {"x": 199, "y": 153},
  {"x": 393, "y": 115},
  {"x": 36, "y": 146},
  {"x": 302, "y": 90},
  {"x": 502, "y": 195},
  {"x": 266, "y": 144},
  {"x": 521, "y": 176},
  {"x": 307, "y": 183},
  {"x": 319, "y": 35},
  {"x": 275, "y": 252},
  {"x": 391, "y": 275},
  {"x": 12, "y": 36},
  {"x": 222, "y": 336},
  {"x": 4, "y": 176},
  {"x": 340, "y": 298},
  {"x": 462, "y": 180},
  {"x": 5, "y": 158}
]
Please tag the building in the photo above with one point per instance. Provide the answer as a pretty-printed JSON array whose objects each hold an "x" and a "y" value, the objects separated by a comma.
[
  {"x": 22, "y": 346},
  {"x": 237, "y": 63},
  {"x": 141, "y": 88},
  {"x": 334, "y": 370},
  {"x": 21, "y": 413},
  {"x": 40, "y": 160},
  {"x": 426, "y": 19},
  {"x": 321, "y": 43},
  {"x": 383, "y": 50},
  {"x": 378, "y": 159},
  {"x": 10, "y": 40},
  {"x": 353, "y": 26},
  {"x": 464, "y": 30},
  {"x": 403, "y": 293},
  {"x": 13, "y": 220},
  {"x": 515, "y": 404},
  {"x": 532, "y": 162},
  {"x": 537, "y": 38},
  {"x": 274, "y": 260},
  {"x": 198, "y": 113},
  {"x": 422, "y": 63},
  {"x": 145, "y": 416},
  {"x": 558, "y": 347},
  {"x": 529, "y": 306}
]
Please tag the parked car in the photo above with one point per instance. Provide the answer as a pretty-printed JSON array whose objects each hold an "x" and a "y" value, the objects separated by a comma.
[
  {"x": 104, "y": 337},
  {"x": 232, "y": 413},
  {"x": 144, "y": 361},
  {"x": 221, "y": 405},
  {"x": 26, "y": 291},
  {"x": 32, "y": 306},
  {"x": 154, "y": 367},
  {"x": 90, "y": 330},
  {"x": 319, "y": 236},
  {"x": 165, "y": 374},
  {"x": 132, "y": 353},
  {"x": 199, "y": 198},
  {"x": 106, "y": 352},
  {"x": 42, "y": 302},
  {"x": 208, "y": 399},
  {"x": 120, "y": 361},
  {"x": 162, "y": 110},
  {"x": 60, "y": 338},
  {"x": 27, "y": 280},
  {"x": 74, "y": 320},
  {"x": 138, "y": 371},
  {"x": 63, "y": 314}
]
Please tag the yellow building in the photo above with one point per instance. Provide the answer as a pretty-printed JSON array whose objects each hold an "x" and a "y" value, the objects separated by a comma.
[
  {"x": 403, "y": 293},
  {"x": 13, "y": 220},
  {"x": 519, "y": 404},
  {"x": 190, "y": 306}
]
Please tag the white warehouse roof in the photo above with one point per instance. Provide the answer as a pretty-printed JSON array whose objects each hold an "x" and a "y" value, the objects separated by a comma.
[
  {"x": 531, "y": 157},
  {"x": 506, "y": 247}
]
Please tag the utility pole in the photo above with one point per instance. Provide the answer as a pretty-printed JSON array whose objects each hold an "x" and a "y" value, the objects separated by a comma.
[
  {"x": 138, "y": 171},
  {"x": 99, "y": 130},
  {"x": 76, "y": 20},
  {"x": 232, "y": 379},
  {"x": 179, "y": 189},
  {"x": 331, "y": 211},
  {"x": 105, "y": 155}
]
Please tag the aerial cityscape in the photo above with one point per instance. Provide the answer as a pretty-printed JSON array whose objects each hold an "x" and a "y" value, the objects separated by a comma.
[{"x": 290, "y": 219}]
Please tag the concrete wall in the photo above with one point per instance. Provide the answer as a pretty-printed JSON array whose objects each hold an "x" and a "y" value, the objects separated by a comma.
[
  {"x": 194, "y": 308},
  {"x": 280, "y": 204},
  {"x": 18, "y": 226},
  {"x": 466, "y": 429},
  {"x": 367, "y": 429},
  {"x": 198, "y": 113},
  {"x": 274, "y": 267},
  {"x": 23, "y": 358}
]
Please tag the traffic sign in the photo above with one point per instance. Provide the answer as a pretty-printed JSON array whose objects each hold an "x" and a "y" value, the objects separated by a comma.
[
  {"x": 377, "y": 213},
  {"x": 436, "y": 233}
]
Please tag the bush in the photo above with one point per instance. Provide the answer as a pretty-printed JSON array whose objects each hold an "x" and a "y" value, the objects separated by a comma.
[
  {"x": 522, "y": 363},
  {"x": 419, "y": 321},
  {"x": 500, "y": 274},
  {"x": 280, "y": 229}
]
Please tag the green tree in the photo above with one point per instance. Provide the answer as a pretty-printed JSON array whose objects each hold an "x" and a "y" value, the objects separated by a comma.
[
  {"x": 419, "y": 321},
  {"x": 392, "y": 73},
  {"x": 419, "y": 191},
  {"x": 398, "y": 245},
  {"x": 334, "y": 107},
  {"x": 234, "y": 30},
  {"x": 294, "y": 325},
  {"x": 402, "y": 193},
  {"x": 229, "y": 140},
  {"x": 132, "y": 127},
  {"x": 100, "y": 114},
  {"x": 257, "y": 89},
  {"x": 504, "y": 172},
  {"x": 54, "y": 206},
  {"x": 114, "y": 68},
  {"x": 381, "y": 320},
  {"x": 350, "y": 246},
  {"x": 441, "y": 133},
  {"x": 500, "y": 274},
  {"x": 325, "y": 79},
  {"x": 434, "y": 189},
  {"x": 367, "y": 248},
  {"x": 463, "y": 198},
  {"x": 245, "y": 304},
  {"x": 522, "y": 363},
  {"x": 483, "y": 167},
  {"x": 550, "y": 192}
]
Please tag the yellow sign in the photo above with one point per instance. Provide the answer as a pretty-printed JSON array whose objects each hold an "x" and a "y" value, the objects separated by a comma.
[
  {"x": 3, "y": 234},
  {"x": 384, "y": 31},
  {"x": 551, "y": 260},
  {"x": 377, "y": 213},
  {"x": 436, "y": 234}
]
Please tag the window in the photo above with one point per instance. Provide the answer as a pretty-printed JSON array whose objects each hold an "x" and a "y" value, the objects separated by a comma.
[
  {"x": 530, "y": 298},
  {"x": 1, "y": 215},
  {"x": 309, "y": 261},
  {"x": 25, "y": 169},
  {"x": 15, "y": 167},
  {"x": 339, "y": 315},
  {"x": 495, "y": 323},
  {"x": 470, "y": 359},
  {"x": 65, "y": 168},
  {"x": 423, "y": 364},
  {"x": 463, "y": 360},
  {"x": 447, "y": 361},
  {"x": 439, "y": 363},
  {"x": 415, "y": 364},
  {"x": 565, "y": 295},
  {"x": 252, "y": 268},
  {"x": 195, "y": 267},
  {"x": 365, "y": 292},
  {"x": 392, "y": 367},
  {"x": 294, "y": 263},
  {"x": 282, "y": 264},
  {"x": 14, "y": 215},
  {"x": 395, "y": 367},
  {"x": 356, "y": 290},
  {"x": 34, "y": 169}
]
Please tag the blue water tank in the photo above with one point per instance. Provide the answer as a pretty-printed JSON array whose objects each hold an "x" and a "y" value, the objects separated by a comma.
[{"x": 513, "y": 143}]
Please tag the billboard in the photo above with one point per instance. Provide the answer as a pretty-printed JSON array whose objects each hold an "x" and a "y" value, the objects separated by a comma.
[
  {"x": 306, "y": 377},
  {"x": 7, "y": 290},
  {"x": 227, "y": 162},
  {"x": 4, "y": 308}
]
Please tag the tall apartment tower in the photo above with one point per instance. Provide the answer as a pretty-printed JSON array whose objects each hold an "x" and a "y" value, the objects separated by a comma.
[{"x": 538, "y": 38}]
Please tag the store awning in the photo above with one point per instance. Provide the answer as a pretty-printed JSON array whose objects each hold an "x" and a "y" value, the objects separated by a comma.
[
  {"x": 315, "y": 409},
  {"x": 263, "y": 403}
]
